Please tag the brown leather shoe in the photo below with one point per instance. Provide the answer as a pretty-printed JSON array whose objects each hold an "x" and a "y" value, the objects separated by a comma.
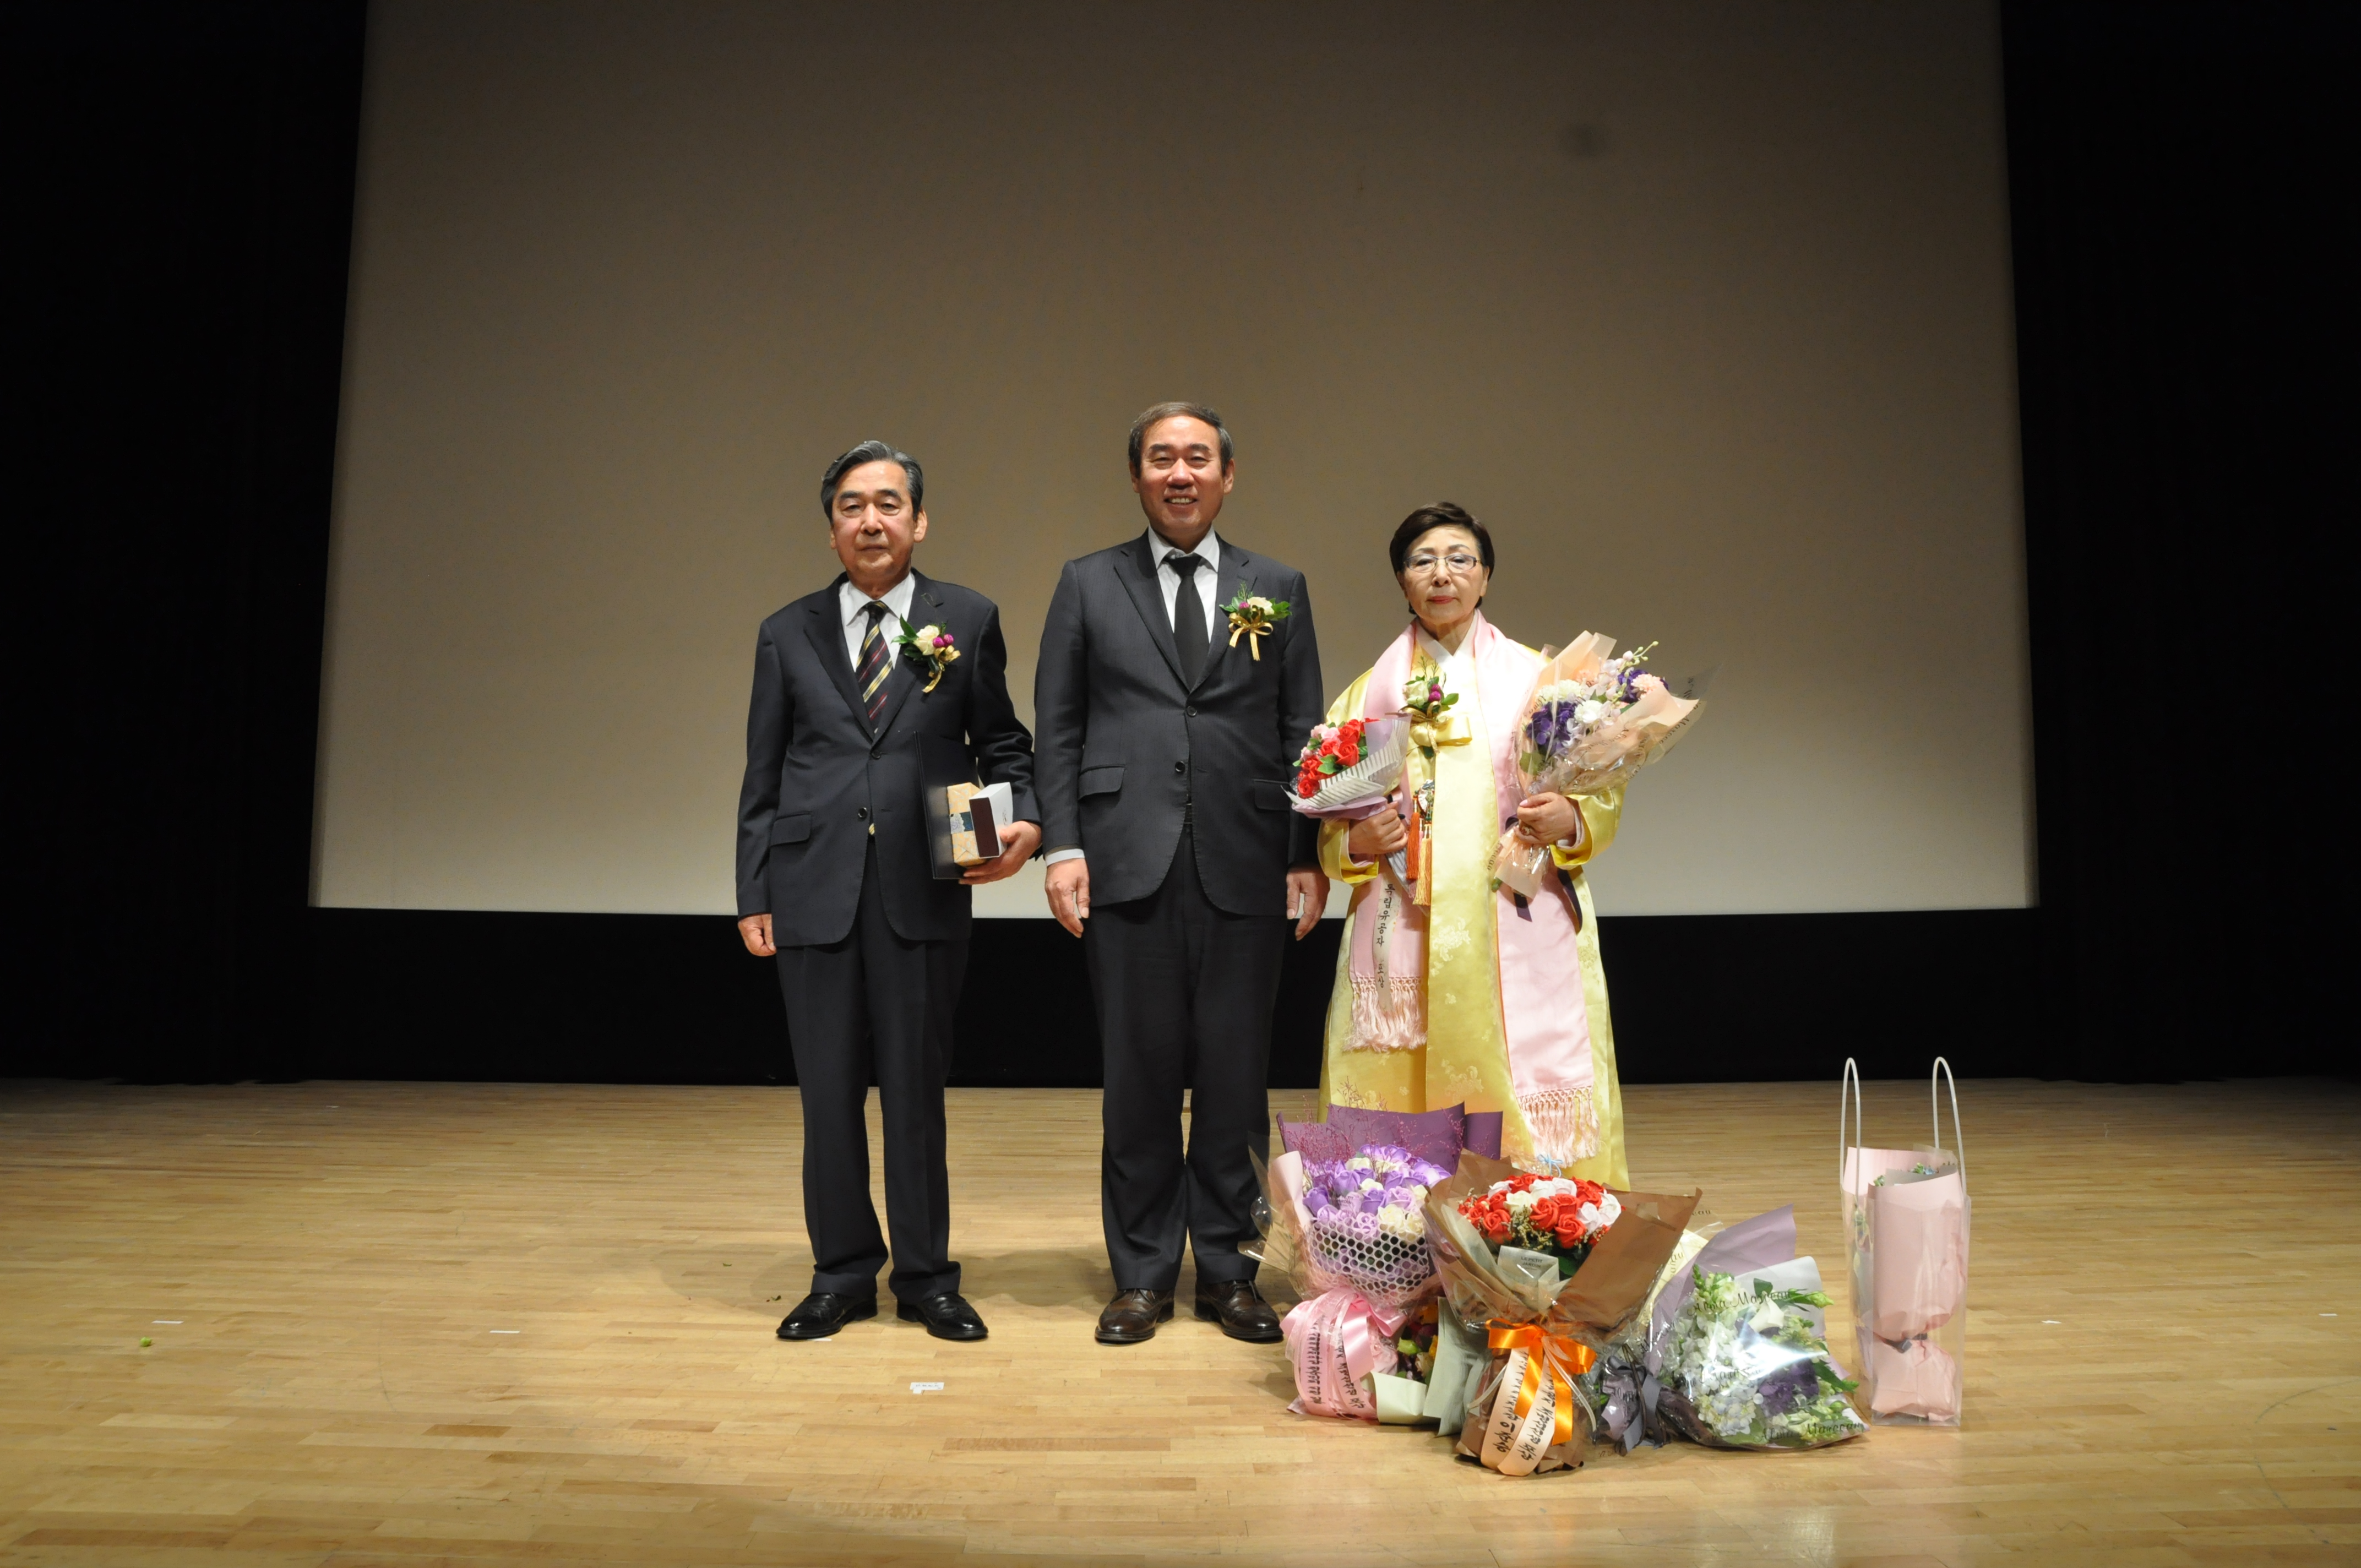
[
  {"x": 1240, "y": 1307},
  {"x": 1131, "y": 1318}
]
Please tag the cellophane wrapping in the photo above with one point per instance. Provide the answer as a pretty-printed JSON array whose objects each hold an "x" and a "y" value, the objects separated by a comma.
[
  {"x": 1906, "y": 1220},
  {"x": 1349, "y": 1233},
  {"x": 1748, "y": 1367},
  {"x": 1560, "y": 752},
  {"x": 1490, "y": 1290}
]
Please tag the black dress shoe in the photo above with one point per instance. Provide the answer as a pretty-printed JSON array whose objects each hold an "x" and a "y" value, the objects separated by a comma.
[
  {"x": 1131, "y": 1318},
  {"x": 947, "y": 1316},
  {"x": 1240, "y": 1307},
  {"x": 823, "y": 1312}
]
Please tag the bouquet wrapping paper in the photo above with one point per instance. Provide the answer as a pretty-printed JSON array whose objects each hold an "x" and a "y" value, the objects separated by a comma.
[
  {"x": 1349, "y": 1233},
  {"x": 1592, "y": 721},
  {"x": 1535, "y": 1328}
]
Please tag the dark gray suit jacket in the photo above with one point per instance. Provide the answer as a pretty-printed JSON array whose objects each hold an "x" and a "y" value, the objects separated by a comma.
[
  {"x": 1125, "y": 742},
  {"x": 818, "y": 776}
]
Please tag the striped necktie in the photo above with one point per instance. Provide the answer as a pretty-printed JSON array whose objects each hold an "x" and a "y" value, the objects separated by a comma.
[{"x": 872, "y": 668}]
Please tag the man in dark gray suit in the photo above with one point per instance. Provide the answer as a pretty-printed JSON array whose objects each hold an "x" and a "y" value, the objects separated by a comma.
[
  {"x": 1168, "y": 745},
  {"x": 835, "y": 876}
]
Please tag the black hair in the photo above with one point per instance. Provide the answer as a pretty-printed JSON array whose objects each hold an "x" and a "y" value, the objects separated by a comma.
[
  {"x": 1425, "y": 520},
  {"x": 870, "y": 452},
  {"x": 1151, "y": 418}
]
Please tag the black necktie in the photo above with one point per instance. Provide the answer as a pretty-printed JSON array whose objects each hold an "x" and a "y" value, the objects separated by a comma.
[
  {"x": 874, "y": 665},
  {"x": 1187, "y": 616}
]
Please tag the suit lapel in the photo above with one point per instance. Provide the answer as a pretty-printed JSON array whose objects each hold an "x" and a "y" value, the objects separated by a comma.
[
  {"x": 924, "y": 609},
  {"x": 1147, "y": 597},
  {"x": 826, "y": 628},
  {"x": 1228, "y": 584}
]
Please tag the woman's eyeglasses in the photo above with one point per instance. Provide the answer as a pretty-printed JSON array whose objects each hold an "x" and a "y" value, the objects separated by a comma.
[{"x": 1423, "y": 565}]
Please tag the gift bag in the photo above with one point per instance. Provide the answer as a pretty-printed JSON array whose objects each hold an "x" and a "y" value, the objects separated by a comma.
[{"x": 1906, "y": 1223}]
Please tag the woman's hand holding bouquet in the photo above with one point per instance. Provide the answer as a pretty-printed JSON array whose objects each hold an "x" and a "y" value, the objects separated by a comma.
[{"x": 1592, "y": 723}]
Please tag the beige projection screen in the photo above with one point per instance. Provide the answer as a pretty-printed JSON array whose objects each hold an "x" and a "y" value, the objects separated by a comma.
[{"x": 1704, "y": 309}]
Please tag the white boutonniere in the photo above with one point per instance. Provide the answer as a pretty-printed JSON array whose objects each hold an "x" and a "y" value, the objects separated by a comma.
[
  {"x": 1251, "y": 616},
  {"x": 929, "y": 647}
]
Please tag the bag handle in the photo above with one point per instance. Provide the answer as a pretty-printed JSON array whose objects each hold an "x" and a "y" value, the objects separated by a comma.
[
  {"x": 1935, "y": 1102},
  {"x": 1848, "y": 1095}
]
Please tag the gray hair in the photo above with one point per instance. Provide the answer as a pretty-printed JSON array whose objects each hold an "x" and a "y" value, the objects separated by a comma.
[
  {"x": 1151, "y": 418},
  {"x": 877, "y": 452}
]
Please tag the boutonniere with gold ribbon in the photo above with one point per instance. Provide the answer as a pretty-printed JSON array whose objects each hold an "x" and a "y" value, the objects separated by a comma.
[
  {"x": 931, "y": 648},
  {"x": 1429, "y": 707},
  {"x": 1251, "y": 616}
]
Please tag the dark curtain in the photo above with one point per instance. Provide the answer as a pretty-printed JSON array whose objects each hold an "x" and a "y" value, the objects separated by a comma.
[
  {"x": 2182, "y": 230},
  {"x": 181, "y": 213}
]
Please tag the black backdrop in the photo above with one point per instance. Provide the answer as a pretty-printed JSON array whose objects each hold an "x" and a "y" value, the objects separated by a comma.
[{"x": 182, "y": 199}]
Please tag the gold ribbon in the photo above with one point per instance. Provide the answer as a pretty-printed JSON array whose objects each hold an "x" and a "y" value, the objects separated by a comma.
[
  {"x": 1450, "y": 730},
  {"x": 939, "y": 662},
  {"x": 1567, "y": 1359},
  {"x": 1253, "y": 628}
]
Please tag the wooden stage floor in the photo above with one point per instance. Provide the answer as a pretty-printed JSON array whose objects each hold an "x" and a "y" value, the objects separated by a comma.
[{"x": 412, "y": 1324}]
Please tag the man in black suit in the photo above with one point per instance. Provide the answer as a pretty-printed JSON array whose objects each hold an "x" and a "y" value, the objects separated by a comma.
[
  {"x": 835, "y": 877},
  {"x": 1167, "y": 747}
]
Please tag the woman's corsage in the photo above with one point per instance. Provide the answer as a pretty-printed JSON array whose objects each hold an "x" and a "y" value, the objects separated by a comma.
[
  {"x": 1429, "y": 707},
  {"x": 930, "y": 647},
  {"x": 1251, "y": 616}
]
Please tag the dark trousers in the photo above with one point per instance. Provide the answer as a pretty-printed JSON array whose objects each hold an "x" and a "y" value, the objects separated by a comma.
[
  {"x": 876, "y": 999},
  {"x": 1184, "y": 996}
]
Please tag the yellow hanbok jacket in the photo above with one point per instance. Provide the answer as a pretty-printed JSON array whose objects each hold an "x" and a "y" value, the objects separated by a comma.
[{"x": 1519, "y": 1026}]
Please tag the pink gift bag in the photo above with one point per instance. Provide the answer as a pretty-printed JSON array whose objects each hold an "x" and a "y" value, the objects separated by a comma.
[{"x": 1906, "y": 1241}]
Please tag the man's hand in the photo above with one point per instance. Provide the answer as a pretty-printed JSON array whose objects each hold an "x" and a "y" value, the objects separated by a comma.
[
  {"x": 756, "y": 929},
  {"x": 1375, "y": 838},
  {"x": 1069, "y": 887},
  {"x": 1307, "y": 895},
  {"x": 1546, "y": 819},
  {"x": 1016, "y": 847}
]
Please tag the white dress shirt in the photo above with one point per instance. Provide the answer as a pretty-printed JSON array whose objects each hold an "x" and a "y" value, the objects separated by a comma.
[
  {"x": 853, "y": 605},
  {"x": 1209, "y": 550}
]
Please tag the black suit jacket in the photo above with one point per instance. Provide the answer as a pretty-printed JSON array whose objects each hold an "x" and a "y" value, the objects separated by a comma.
[
  {"x": 1124, "y": 741},
  {"x": 818, "y": 776}
]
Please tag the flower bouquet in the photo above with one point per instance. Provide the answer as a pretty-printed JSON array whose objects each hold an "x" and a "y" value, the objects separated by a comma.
[
  {"x": 1592, "y": 723},
  {"x": 1352, "y": 1234},
  {"x": 1533, "y": 1317},
  {"x": 1747, "y": 1366},
  {"x": 1348, "y": 770}
]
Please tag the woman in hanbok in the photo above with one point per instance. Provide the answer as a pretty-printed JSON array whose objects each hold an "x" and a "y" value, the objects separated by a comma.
[{"x": 1452, "y": 989}]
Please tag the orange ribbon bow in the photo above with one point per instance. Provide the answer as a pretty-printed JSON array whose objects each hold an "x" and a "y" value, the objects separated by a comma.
[{"x": 1567, "y": 1359}]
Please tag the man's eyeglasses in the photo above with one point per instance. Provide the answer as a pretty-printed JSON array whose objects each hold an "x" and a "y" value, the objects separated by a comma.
[{"x": 1423, "y": 564}]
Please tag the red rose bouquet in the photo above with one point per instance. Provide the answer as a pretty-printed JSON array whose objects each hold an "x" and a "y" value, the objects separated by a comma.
[
  {"x": 1555, "y": 1215},
  {"x": 1347, "y": 770},
  {"x": 1541, "y": 1273}
]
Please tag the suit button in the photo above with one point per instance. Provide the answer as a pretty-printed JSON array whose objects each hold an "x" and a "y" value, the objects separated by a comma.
[
  {"x": 1180, "y": 767},
  {"x": 861, "y": 812},
  {"x": 1192, "y": 713}
]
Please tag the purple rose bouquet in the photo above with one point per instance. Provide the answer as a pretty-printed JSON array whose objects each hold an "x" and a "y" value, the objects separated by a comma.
[{"x": 1368, "y": 1222}]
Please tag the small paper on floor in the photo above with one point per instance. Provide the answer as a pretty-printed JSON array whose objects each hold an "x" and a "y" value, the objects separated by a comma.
[{"x": 926, "y": 1387}]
